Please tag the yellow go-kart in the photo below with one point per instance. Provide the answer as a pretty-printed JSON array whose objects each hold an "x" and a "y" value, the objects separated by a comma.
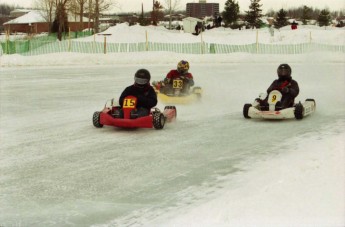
[{"x": 178, "y": 92}]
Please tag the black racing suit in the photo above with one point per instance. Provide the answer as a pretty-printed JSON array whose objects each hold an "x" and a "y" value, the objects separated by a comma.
[
  {"x": 289, "y": 89},
  {"x": 146, "y": 98}
]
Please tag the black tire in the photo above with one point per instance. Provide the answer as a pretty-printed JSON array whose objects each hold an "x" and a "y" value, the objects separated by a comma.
[
  {"x": 246, "y": 110},
  {"x": 173, "y": 108},
  {"x": 95, "y": 120},
  {"x": 299, "y": 111},
  {"x": 158, "y": 120}
]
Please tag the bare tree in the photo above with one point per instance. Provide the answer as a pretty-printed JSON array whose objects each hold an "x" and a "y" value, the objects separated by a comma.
[
  {"x": 97, "y": 7},
  {"x": 82, "y": 5},
  {"x": 47, "y": 7},
  {"x": 171, "y": 6},
  {"x": 60, "y": 24},
  {"x": 55, "y": 13},
  {"x": 78, "y": 7},
  {"x": 89, "y": 9}
]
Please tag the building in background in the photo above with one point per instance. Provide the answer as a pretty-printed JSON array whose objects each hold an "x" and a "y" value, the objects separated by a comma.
[
  {"x": 33, "y": 22},
  {"x": 202, "y": 9}
]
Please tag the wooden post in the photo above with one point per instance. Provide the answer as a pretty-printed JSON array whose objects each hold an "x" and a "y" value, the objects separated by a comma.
[
  {"x": 147, "y": 43},
  {"x": 257, "y": 41},
  {"x": 202, "y": 42},
  {"x": 105, "y": 44},
  {"x": 69, "y": 39},
  {"x": 94, "y": 43}
]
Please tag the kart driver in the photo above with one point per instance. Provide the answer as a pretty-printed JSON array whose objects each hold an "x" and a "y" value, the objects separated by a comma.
[
  {"x": 286, "y": 85},
  {"x": 180, "y": 73},
  {"x": 143, "y": 91}
]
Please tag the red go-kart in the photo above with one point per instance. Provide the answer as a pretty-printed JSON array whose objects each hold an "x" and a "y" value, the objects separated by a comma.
[{"x": 109, "y": 116}]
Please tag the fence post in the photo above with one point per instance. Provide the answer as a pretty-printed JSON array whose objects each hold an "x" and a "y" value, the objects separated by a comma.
[
  {"x": 93, "y": 43},
  {"x": 257, "y": 41},
  {"x": 105, "y": 44},
  {"x": 7, "y": 46},
  {"x": 146, "y": 44},
  {"x": 212, "y": 48},
  {"x": 69, "y": 39},
  {"x": 202, "y": 43}
]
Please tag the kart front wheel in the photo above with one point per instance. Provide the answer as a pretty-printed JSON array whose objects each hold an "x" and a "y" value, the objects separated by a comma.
[
  {"x": 299, "y": 111},
  {"x": 197, "y": 92},
  {"x": 246, "y": 110},
  {"x": 95, "y": 120},
  {"x": 158, "y": 120}
]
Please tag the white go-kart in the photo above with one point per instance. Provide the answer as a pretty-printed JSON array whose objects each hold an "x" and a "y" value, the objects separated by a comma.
[{"x": 274, "y": 111}]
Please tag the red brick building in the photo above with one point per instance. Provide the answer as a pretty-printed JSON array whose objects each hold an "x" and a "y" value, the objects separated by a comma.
[{"x": 34, "y": 22}]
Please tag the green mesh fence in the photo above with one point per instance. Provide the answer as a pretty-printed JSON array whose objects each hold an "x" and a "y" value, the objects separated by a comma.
[
  {"x": 13, "y": 47},
  {"x": 23, "y": 46},
  {"x": 49, "y": 44}
]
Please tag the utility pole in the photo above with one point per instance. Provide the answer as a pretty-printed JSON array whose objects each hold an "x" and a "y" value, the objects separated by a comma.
[
  {"x": 153, "y": 13},
  {"x": 89, "y": 23}
]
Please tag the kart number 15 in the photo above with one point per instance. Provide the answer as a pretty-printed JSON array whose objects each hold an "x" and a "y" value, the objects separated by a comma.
[{"x": 129, "y": 103}]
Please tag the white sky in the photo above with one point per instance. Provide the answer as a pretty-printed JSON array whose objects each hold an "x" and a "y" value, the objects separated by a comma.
[{"x": 135, "y": 5}]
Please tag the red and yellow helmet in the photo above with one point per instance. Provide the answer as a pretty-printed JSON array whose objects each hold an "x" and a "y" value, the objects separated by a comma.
[{"x": 183, "y": 66}]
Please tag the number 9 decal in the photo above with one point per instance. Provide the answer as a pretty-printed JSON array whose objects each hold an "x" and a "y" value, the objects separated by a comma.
[{"x": 274, "y": 98}]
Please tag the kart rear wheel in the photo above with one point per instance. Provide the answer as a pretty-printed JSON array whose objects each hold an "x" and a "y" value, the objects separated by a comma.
[
  {"x": 197, "y": 92},
  {"x": 95, "y": 120},
  {"x": 299, "y": 111},
  {"x": 246, "y": 110},
  {"x": 311, "y": 100},
  {"x": 158, "y": 120},
  {"x": 196, "y": 89}
]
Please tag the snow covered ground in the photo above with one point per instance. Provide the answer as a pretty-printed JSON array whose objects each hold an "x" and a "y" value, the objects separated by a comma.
[{"x": 210, "y": 168}]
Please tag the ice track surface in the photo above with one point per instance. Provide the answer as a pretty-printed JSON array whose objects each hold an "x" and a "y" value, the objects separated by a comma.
[{"x": 56, "y": 169}]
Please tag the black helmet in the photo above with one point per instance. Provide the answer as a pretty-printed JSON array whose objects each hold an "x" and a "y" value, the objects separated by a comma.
[
  {"x": 142, "y": 77},
  {"x": 284, "y": 72}
]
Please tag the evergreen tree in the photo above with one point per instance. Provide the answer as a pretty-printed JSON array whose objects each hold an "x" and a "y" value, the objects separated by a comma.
[
  {"x": 281, "y": 19},
  {"x": 5, "y": 9},
  {"x": 340, "y": 23},
  {"x": 230, "y": 13},
  {"x": 324, "y": 18},
  {"x": 253, "y": 15},
  {"x": 142, "y": 21},
  {"x": 306, "y": 14}
]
